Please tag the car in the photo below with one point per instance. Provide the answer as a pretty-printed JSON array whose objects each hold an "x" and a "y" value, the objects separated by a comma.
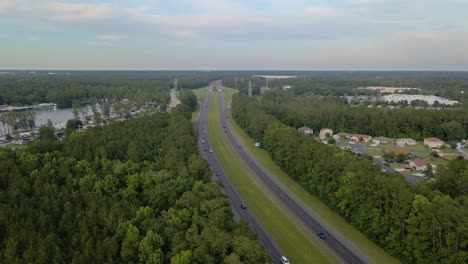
[
  {"x": 217, "y": 173},
  {"x": 211, "y": 151},
  {"x": 243, "y": 206},
  {"x": 386, "y": 163},
  {"x": 321, "y": 235},
  {"x": 206, "y": 149},
  {"x": 284, "y": 260},
  {"x": 203, "y": 141},
  {"x": 239, "y": 145},
  {"x": 204, "y": 131}
]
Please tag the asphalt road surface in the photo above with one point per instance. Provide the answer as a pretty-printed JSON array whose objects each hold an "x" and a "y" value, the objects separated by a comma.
[
  {"x": 338, "y": 245},
  {"x": 360, "y": 148},
  {"x": 206, "y": 152}
]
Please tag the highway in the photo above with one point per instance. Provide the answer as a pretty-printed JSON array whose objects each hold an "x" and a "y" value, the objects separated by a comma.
[
  {"x": 338, "y": 245},
  {"x": 205, "y": 149}
]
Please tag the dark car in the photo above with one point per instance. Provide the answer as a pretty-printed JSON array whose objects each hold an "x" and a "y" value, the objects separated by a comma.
[
  {"x": 243, "y": 206},
  {"x": 206, "y": 149},
  {"x": 217, "y": 173},
  {"x": 321, "y": 235}
]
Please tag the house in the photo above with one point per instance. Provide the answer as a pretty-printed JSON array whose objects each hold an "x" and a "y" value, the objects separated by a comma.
[
  {"x": 397, "y": 150},
  {"x": 306, "y": 130},
  {"x": 418, "y": 164},
  {"x": 401, "y": 142},
  {"x": 341, "y": 135},
  {"x": 326, "y": 132},
  {"x": 360, "y": 138},
  {"x": 433, "y": 142},
  {"x": 383, "y": 140}
]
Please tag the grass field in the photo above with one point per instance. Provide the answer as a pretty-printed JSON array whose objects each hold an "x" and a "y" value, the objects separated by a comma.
[
  {"x": 373, "y": 151},
  {"x": 298, "y": 243},
  {"x": 376, "y": 253}
]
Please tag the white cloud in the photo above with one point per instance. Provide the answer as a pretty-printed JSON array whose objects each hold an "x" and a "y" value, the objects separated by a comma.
[
  {"x": 110, "y": 37},
  {"x": 184, "y": 34},
  {"x": 33, "y": 38}
]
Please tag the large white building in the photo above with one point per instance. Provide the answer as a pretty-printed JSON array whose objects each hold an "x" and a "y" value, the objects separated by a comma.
[{"x": 430, "y": 99}]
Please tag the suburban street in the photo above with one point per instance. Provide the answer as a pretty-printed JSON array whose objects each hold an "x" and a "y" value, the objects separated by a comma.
[
  {"x": 339, "y": 246},
  {"x": 358, "y": 148},
  {"x": 204, "y": 145}
]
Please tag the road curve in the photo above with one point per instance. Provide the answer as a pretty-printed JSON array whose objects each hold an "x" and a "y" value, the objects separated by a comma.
[
  {"x": 339, "y": 246},
  {"x": 204, "y": 147}
]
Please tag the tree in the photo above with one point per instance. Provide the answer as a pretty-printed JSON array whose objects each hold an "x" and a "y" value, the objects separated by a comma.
[
  {"x": 150, "y": 248},
  {"x": 73, "y": 125},
  {"x": 76, "y": 110},
  {"x": 47, "y": 131},
  {"x": 130, "y": 244}
]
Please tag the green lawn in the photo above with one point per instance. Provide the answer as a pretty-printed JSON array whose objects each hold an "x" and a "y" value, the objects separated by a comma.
[
  {"x": 373, "y": 151},
  {"x": 298, "y": 243},
  {"x": 376, "y": 253},
  {"x": 419, "y": 146}
]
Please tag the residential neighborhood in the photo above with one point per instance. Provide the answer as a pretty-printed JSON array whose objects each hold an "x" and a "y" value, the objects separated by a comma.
[{"x": 404, "y": 155}]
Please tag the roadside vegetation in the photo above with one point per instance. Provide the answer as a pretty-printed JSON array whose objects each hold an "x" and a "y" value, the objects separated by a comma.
[
  {"x": 299, "y": 243},
  {"x": 129, "y": 192},
  {"x": 426, "y": 223}
]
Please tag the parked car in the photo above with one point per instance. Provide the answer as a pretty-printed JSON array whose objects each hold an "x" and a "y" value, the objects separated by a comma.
[{"x": 243, "y": 206}]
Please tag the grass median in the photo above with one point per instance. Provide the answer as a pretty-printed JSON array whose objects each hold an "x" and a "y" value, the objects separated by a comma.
[
  {"x": 376, "y": 253},
  {"x": 299, "y": 244}
]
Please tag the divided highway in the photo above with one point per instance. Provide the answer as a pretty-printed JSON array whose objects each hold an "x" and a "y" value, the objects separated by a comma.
[
  {"x": 339, "y": 246},
  {"x": 206, "y": 152}
]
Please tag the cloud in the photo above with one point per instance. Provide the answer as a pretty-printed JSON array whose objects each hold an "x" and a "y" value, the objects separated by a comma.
[
  {"x": 184, "y": 34},
  {"x": 33, "y": 38},
  {"x": 110, "y": 37}
]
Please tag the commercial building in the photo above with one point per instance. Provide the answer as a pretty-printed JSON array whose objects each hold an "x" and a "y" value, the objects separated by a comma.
[{"x": 430, "y": 99}]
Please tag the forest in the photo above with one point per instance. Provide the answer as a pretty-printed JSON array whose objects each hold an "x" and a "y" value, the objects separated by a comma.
[
  {"x": 64, "y": 88},
  {"x": 422, "y": 223},
  {"x": 451, "y": 85},
  {"x": 319, "y": 112},
  {"x": 130, "y": 192}
]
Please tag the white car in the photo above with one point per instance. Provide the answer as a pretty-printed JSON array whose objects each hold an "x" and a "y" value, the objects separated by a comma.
[{"x": 284, "y": 260}]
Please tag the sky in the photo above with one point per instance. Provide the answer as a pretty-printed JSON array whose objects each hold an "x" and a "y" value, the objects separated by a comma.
[{"x": 234, "y": 35}]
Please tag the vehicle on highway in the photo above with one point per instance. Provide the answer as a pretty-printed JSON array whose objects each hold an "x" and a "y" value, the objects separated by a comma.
[
  {"x": 243, "y": 206},
  {"x": 211, "y": 151},
  {"x": 204, "y": 131},
  {"x": 284, "y": 260},
  {"x": 217, "y": 173},
  {"x": 321, "y": 235},
  {"x": 386, "y": 163},
  {"x": 203, "y": 141},
  {"x": 206, "y": 149}
]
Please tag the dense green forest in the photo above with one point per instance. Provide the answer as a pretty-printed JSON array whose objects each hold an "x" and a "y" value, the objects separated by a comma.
[
  {"x": 130, "y": 192},
  {"x": 422, "y": 223},
  {"x": 319, "y": 112},
  {"x": 64, "y": 89},
  {"x": 445, "y": 84}
]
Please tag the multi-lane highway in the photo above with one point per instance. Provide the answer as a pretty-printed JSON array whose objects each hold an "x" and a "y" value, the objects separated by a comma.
[
  {"x": 236, "y": 201},
  {"x": 339, "y": 246}
]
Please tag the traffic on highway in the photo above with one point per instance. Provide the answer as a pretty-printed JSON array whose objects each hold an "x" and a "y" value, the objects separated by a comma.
[
  {"x": 339, "y": 246},
  {"x": 238, "y": 205}
]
